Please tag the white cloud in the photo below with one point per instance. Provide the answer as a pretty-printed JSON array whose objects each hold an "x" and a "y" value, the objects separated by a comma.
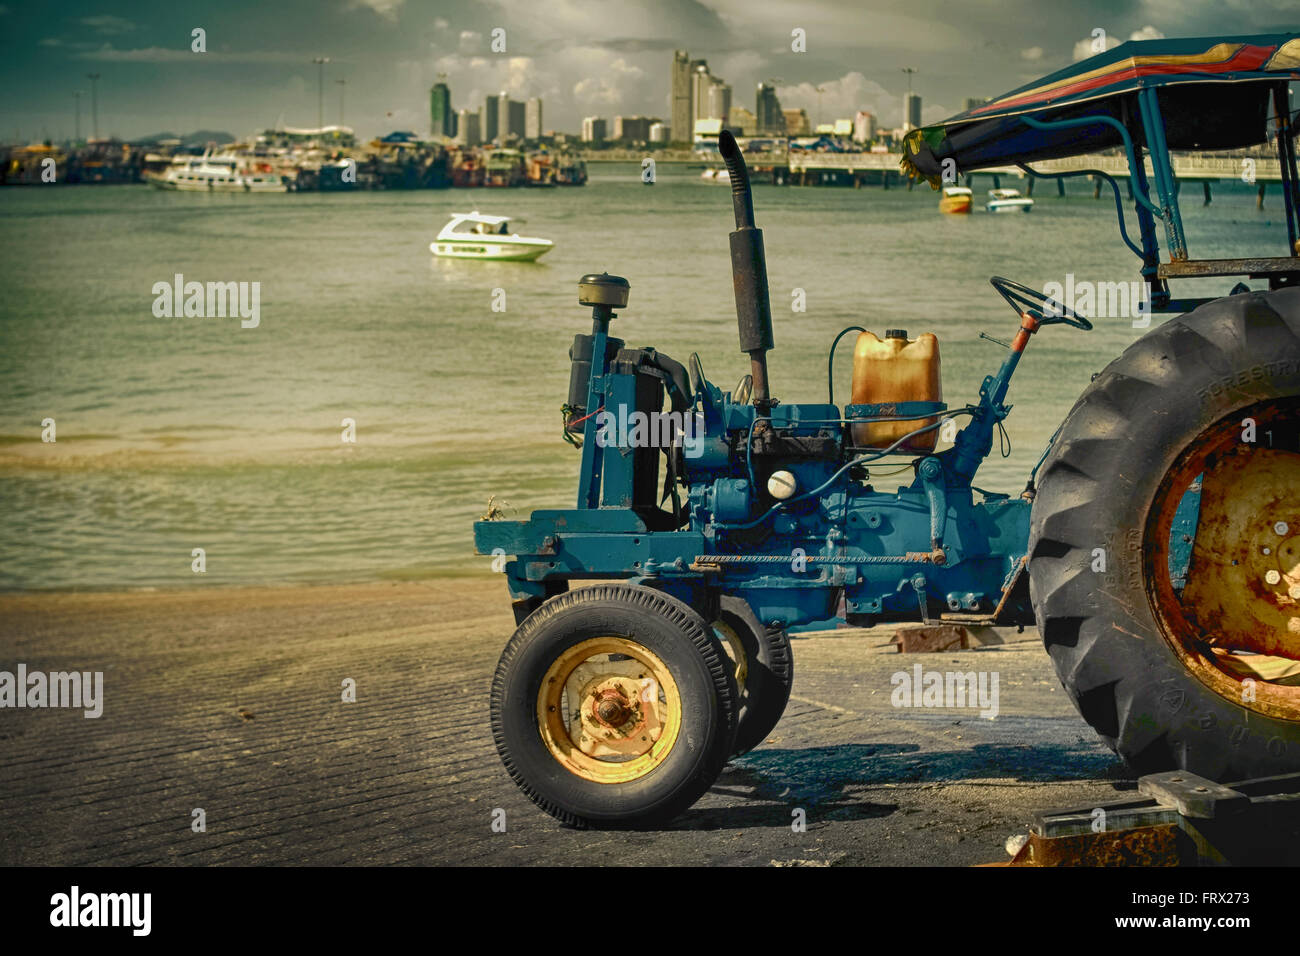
[
  {"x": 1091, "y": 45},
  {"x": 107, "y": 24},
  {"x": 841, "y": 98},
  {"x": 1148, "y": 32},
  {"x": 612, "y": 86},
  {"x": 384, "y": 8},
  {"x": 1033, "y": 54},
  {"x": 471, "y": 41}
]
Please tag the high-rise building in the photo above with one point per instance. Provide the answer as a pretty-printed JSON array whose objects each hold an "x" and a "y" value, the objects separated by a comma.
[
  {"x": 441, "y": 117},
  {"x": 796, "y": 122},
  {"x": 502, "y": 130},
  {"x": 659, "y": 132},
  {"x": 517, "y": 115},
  {"x": 719, "y": 100},
  {"x": 701, "y": 82},
  {"x": 742, "y": 119},
  {"x": 911, "y": 110},
  {"x": 487, "y": 124},
  {"x": 633, "y": 129},
  {"x": 680, "y": 116},
  {"x": 533, "y": 118},
  {"x": 864, "y": 127},
  {"x": 768, "y": 115},
  {"x": 593, "y": 129},
  {"x": 467, "y": 128}
]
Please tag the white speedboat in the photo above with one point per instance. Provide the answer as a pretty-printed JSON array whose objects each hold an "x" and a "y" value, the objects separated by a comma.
[
  {"x": 1008, "y": 200},
  {"x": 221, "y": 173},
  {"x": 472, "y": 235}
]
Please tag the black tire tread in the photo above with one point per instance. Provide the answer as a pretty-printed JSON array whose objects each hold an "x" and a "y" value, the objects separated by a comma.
[{"x": 650, "y": 602}]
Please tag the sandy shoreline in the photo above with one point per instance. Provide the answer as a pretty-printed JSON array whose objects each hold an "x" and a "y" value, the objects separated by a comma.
[{"x": 229, "y": 700}]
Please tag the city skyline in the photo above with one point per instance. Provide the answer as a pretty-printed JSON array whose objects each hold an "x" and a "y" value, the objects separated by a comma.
[{"x": 259, "y": 71}]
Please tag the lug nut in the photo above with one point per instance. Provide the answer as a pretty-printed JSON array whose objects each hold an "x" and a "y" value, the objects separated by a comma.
[
  {"x": 1281, "y": 528},
  {"x": 1272, "y": 577}
]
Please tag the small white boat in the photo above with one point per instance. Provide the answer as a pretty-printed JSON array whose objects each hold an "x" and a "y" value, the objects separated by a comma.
[
  {"x": 1008, "y": 200},
  {"x": 220, "y": 173},
  {"x": 472, "y": 235},
  {"x": 716, "y": 175}
]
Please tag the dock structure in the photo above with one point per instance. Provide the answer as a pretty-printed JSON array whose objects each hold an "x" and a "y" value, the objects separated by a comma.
[{"x": 808, "y": 168}]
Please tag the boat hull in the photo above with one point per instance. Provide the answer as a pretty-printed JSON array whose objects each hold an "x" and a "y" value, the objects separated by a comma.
[
  {"x": 489, "y": 250},
  {"x": 1010, "y": 205},
  {"x": 228, "y": 186},
  {"x": 955, "y": 205}
]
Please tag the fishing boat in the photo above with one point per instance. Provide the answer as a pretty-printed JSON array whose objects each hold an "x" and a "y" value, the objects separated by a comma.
[
  {"x": 570, "y": 171},
  {"x": 1008, "y": 200},
  {"x": 541, "y": 172},
  {"x": 955, "y": 200},
  {"x": 504, "y": 167},
  {"x": 467, "y": 171},
  {"x": 216, "y": 173},
  {"x": 473, "y": 235}
]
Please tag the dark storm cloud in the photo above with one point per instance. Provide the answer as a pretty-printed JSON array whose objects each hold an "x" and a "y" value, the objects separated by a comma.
[{"x": 582, "y": 56}]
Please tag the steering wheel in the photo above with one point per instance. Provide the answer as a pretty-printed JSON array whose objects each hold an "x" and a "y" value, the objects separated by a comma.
[{"x": 1031, "y": 302}]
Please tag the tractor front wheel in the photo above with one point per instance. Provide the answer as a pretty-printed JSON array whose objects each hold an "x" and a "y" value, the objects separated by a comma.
[{"x": 613, "y": 706}]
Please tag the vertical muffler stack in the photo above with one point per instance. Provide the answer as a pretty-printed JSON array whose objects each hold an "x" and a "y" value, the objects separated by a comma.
[{"x": 749, "y": 273}]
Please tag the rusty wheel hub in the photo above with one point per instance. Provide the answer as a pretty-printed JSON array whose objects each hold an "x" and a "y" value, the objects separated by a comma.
[{"x": 1236, "y": 622}]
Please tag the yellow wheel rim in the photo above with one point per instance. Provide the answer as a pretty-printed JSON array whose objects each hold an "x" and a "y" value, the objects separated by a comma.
[
  {"x": 736, "y": 651},
  {"x": 609, "y": 710}
]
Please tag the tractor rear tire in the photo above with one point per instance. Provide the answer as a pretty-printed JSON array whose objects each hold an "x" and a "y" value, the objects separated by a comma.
[
  {"x": 1137, "y": 657},
  {"x": 766, "y": 671},
  {"x": 613, "y": 707}
]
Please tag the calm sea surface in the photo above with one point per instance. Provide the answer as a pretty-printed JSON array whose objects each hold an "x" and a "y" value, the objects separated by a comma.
[{"x": 184, "y": 433}]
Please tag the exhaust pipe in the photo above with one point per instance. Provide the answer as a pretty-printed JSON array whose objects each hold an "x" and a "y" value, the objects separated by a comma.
[{"x": 749, "y": 273}]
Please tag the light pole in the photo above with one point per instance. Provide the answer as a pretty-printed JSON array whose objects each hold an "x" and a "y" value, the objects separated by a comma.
[
  {"x": 820, "y": 91},
  {"x": 320, "y": 62},
  {"x": 94, "y": 102},
  {"x": 343, "y": 86},
  {"x": 76, "y": 97}
]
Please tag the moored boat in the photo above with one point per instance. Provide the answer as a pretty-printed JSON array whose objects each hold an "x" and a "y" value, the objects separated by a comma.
[
  {"x": 473, "y": 235},
  {"x": 570, "y": 171},
  {"x": 1008, "y": 200},
  {"x": 219, "y": 173},
  {"x": 955, "y": 200}
]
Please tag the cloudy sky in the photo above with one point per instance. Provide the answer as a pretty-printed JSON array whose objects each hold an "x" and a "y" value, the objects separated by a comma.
[{"x": 583, "y": 57}]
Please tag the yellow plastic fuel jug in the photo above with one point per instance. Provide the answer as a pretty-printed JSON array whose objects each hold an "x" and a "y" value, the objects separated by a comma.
[{"x": 892, "y": 371}]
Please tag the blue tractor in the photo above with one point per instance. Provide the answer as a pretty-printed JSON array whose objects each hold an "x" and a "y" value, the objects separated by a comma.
[{"x": 1156, "y": 545}]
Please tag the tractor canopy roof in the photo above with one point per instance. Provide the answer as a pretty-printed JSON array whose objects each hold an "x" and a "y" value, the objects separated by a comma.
[{"x": 1213, "y": 95}]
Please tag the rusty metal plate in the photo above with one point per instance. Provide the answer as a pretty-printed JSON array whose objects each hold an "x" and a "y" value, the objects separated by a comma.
[
  {"x": 931, "y": 639},
  {"x": 1140, "y": 846}
]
